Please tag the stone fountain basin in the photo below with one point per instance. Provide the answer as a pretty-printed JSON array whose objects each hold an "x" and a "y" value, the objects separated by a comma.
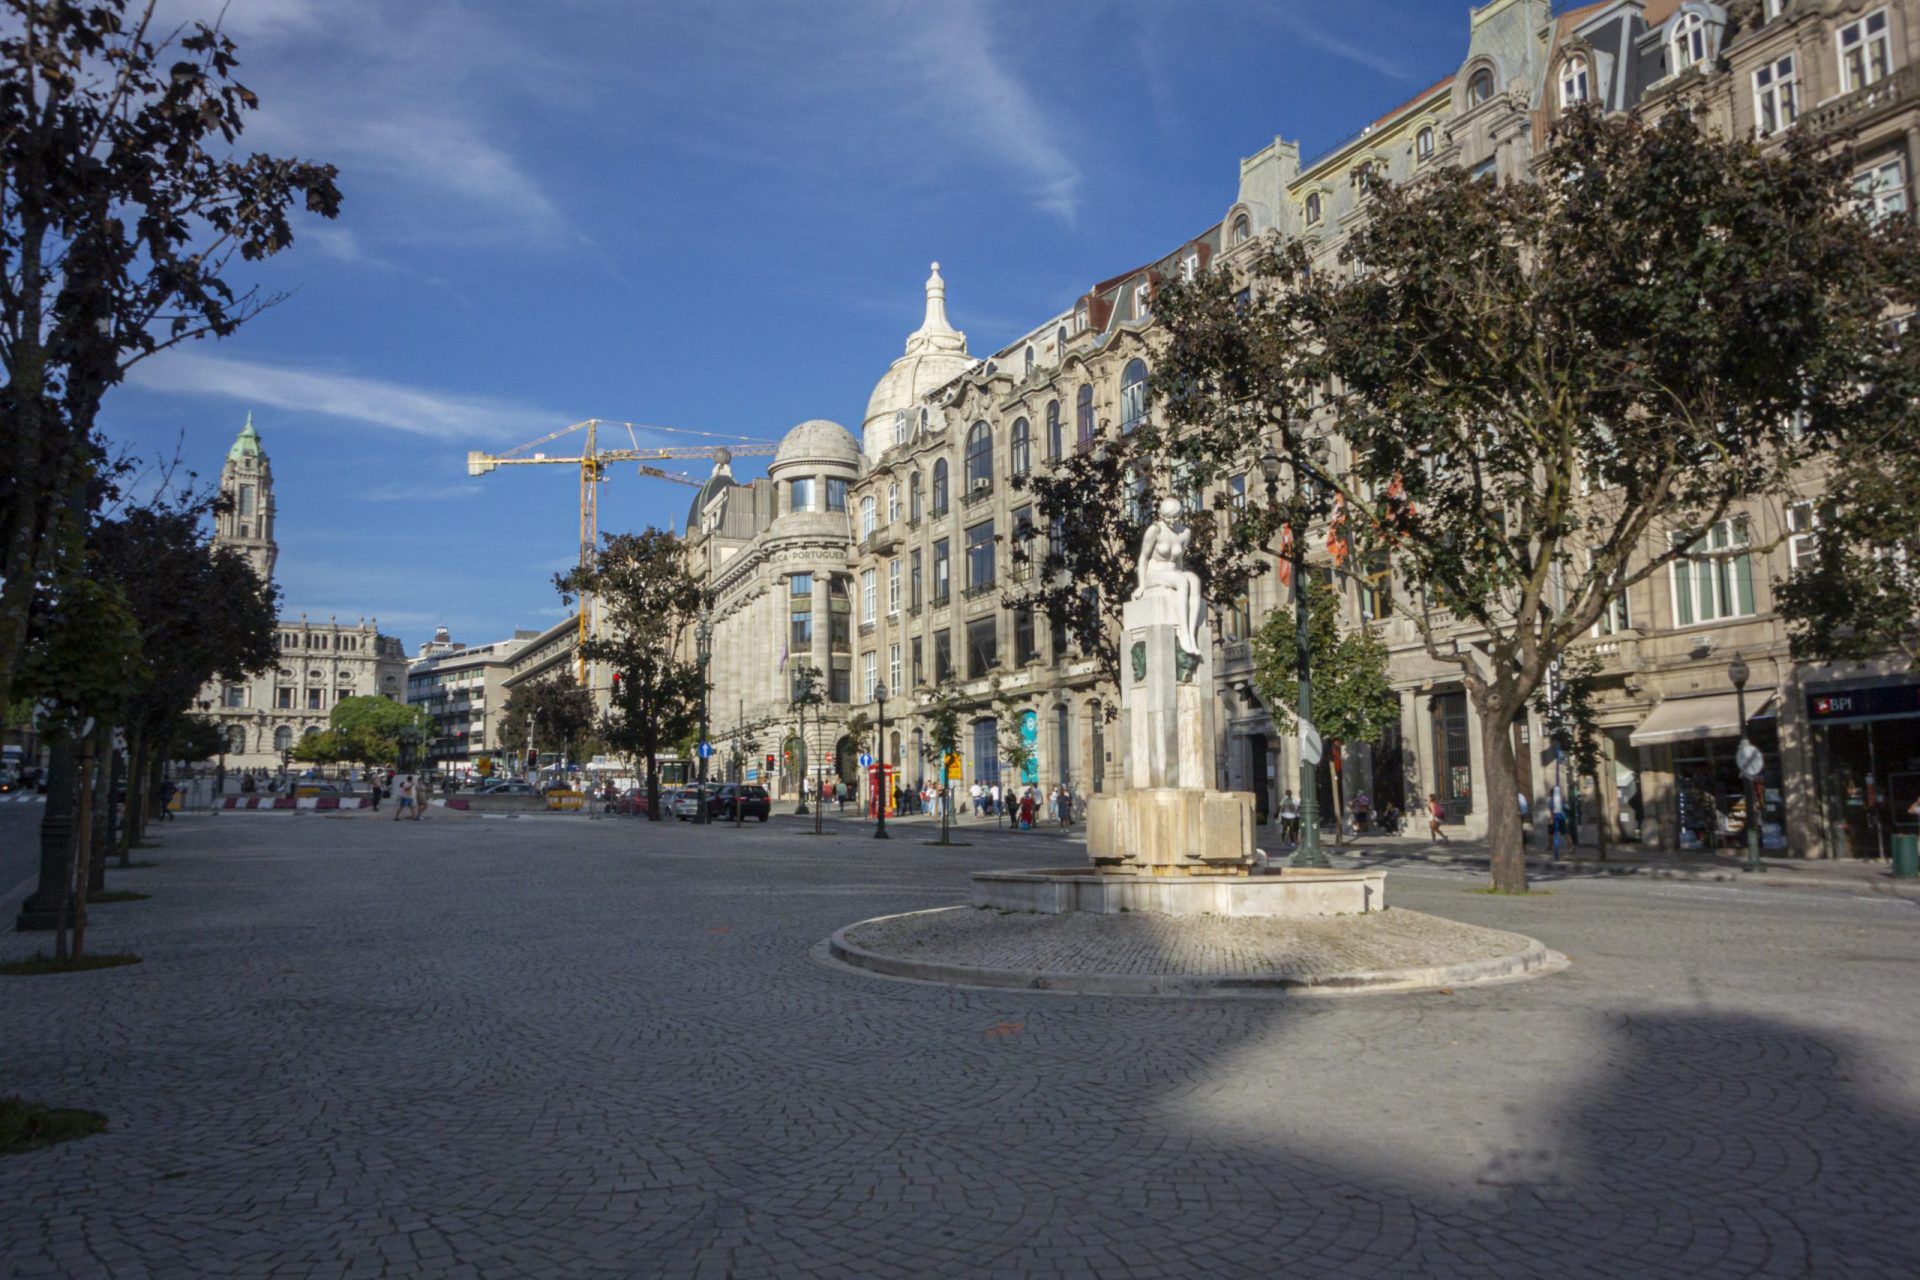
[{"x": 1292, "y": 893}]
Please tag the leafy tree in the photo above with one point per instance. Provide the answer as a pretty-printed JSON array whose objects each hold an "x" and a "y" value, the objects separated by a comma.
[
  {"x": 202, "y": 614},
  {"x": 647, "y": 600},
  {"x": 1858, "y": 596},
  {"x": 1353, "y": 697},
  {"x": 120, "y": 213},
  {"x": 809, "y": 694},
  {"x": 327, "y": 746},
  {"x": 196, "y": 738},
  {"x": 555, "y": 713},
  {"x": 1543, "y": 393},
  {"x": 941, "y": 709},
  {"x": 367, "y": 729}
]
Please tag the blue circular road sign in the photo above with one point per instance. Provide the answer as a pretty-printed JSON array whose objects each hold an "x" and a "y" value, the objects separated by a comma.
[
  {"x": 706, "y": 751},
  {"x": 866, "y": 761}
]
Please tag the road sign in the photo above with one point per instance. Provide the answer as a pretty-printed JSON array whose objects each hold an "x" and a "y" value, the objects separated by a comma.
[
  {"x": 1311, "y": 746},
  {"x": 866, "y": 760},
  {"x": 1752, "y": 763},
  {"x": 705, "y": 751}
]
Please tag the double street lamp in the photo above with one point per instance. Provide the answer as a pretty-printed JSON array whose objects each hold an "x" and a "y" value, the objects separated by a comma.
[{"x": 1307, "y": 852}]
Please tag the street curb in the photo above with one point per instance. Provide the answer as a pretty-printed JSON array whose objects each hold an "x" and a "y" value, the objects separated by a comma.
[{"x": 1532, "y": 961}]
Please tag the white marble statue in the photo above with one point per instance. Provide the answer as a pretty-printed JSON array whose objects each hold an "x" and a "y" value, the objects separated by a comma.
[{"x": 1163, "y": 567}]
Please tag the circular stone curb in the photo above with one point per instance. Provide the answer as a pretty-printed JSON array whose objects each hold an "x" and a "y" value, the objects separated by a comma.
[{"x": 1534, "y": 960}]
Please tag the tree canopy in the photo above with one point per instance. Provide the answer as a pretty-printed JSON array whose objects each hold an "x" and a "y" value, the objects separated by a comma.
[
  {"x": 1526, "y": 397},
  {"x": 122, "y": 210}
]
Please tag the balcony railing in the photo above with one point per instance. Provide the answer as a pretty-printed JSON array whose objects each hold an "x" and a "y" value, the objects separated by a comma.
[
  {"x": 1845, "y": 112},
  {"x": 980, "y": 492},
  {"x": 979, "y": 589}
]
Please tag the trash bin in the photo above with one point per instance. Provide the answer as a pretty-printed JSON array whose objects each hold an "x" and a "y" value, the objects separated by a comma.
[{"x": 1906, "y": 857}]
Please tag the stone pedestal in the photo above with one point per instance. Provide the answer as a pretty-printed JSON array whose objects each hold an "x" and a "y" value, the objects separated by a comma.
[{"x": 1169, "y": 820}]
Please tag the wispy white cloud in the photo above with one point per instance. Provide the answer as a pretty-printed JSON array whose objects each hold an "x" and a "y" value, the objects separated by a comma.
[
  {"x": 1309, "y": 33},
  {"x": 975, "y": 82},
  {"x": 375, "y": 402}
]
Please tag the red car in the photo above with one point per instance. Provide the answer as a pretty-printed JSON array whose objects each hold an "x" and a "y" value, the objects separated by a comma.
[{"x": 633, "y": 804}]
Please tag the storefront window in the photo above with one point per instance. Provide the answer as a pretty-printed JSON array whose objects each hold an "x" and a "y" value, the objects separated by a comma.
[
  {"x": 1866, "y": 745},
  {"x": 1712, "y": 803},
  {"x": 1452, "y": 755}
]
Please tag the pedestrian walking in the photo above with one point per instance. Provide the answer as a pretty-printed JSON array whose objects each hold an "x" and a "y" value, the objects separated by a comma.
[
  {"x": 168, "y": 790},
  {"x": 373, "y": 780},
  {"x": 403, "y": 804},
  {"x": 1289, "y": 819},
  {"x": 1026, "y": 810},
  {"x": 1436, "y": 814}
]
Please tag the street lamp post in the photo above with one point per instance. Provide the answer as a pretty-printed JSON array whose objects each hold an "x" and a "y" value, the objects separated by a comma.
[
  {"x": 1749, "y": 761},
  {"x": 880, "y": 827},
  {"x": 1307, "y": 852},
  {"x": 703, "y": 636}
]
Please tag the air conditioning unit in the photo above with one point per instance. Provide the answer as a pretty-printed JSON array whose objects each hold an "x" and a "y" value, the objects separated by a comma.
[{"x": 981, "y": 484}]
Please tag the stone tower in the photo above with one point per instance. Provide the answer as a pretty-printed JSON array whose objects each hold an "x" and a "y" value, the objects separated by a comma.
[{"x": 246, "y": 482}]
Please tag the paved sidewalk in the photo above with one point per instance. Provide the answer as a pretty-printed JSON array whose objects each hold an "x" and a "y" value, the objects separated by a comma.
[{"x": 602, "y": 1048}]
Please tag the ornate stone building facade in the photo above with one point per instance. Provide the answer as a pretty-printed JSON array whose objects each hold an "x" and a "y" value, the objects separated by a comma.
[
  {"x": 931, "y": 506},
  {"x": 320, "y": 663}
]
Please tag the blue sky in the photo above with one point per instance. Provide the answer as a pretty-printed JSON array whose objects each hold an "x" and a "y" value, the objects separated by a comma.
[{"x": 708, "y": 214}]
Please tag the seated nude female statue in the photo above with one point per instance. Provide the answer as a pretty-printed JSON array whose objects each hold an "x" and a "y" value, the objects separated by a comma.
[{"x": 1163, "y": 567}]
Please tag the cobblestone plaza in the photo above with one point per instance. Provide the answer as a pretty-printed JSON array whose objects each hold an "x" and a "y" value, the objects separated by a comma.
[{"x": 563, "y": 1047}]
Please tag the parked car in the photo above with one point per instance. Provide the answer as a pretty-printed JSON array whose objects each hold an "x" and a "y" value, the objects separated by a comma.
[
  {"x": 507, "y": 787},
  {"x": 721, "y": 798},
  {"x": 633, "y": 803}
]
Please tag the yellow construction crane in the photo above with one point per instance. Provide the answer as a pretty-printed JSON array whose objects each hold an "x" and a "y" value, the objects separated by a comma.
[{"x": 594, "y": 461}]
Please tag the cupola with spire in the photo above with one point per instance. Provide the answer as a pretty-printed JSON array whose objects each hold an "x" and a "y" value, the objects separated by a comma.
[{"x": 936, "y": 354}]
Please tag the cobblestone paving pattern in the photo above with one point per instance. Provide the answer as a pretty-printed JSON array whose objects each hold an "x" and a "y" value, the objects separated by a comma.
[
  {"x": 600, "y": 1048},
  {"x": 1143, "y": 943}
]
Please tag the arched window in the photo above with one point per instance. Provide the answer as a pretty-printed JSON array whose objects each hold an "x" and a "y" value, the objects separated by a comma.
[
  {"x": 1242, "y": 229},
  {"x": 1133, "y": 395},
  {"x": 940, "y": 487},
  {"x": 1060, "y": 342},
  {"x": 1054, "y": 444},
  {"x": 979, "y": 457},
  {"x": 913, "y": 497},
  {"x": 866, "y": 516},
  {"x": 1313, "y": 208},
  {"x": 283, "y": 738},
  {"x": 1688, "y": 43},
  {"x": 1083, "y": 415},
  {"x": 1021, "y": 460},
  {"x": 893, "y": 501},
  {"x": 1573, "y": 82},
  {"x": 899, "y": 427},
  {"x": 1423, "y": 145},
  {"x": 1029, "y": 362},
  {"x": 1480, "y": 87}
]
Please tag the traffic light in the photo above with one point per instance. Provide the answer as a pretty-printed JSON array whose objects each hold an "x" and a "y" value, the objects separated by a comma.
[
  {"x": 616, "y": 684},
  {"x": 769, "y": 759}
]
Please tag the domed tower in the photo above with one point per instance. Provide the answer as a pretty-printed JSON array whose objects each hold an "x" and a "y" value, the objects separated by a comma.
[
  {"x": 936, "y": 354},
  {"x": 246, "y": 482}
]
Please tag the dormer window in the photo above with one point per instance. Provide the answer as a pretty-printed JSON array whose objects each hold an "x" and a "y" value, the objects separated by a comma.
[
  {"x": 1423, "y": 145},
  {"x": 1142, "y": 300},
  {"x": 1687, "y": 46},
  {"x": 1574, "y": 86},
  {"x": 1242, "y": 229},
  {"x": 1080, "y": 318},
  {"x": 1313, "y": 208},
  {"x": 1479, "y": 87},
  {"x": 1190, "y": 267},
  {"x": 899, "y": 427}
]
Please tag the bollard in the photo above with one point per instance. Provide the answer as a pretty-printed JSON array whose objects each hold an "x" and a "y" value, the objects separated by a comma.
[{"x": 1906, "y": 857}]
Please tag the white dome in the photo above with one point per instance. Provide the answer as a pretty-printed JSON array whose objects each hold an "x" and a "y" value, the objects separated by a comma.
[
  {"x": 817, "y": 441},
  {"x": 936, "y": 354}
]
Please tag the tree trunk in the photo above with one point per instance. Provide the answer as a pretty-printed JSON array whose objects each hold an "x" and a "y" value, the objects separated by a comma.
[
  {"x": 102, "y": 807},
  {"x": 1505, "y": 841},
  {"x": 135, "y": 817},
  {"x": 83, "y": 844}
]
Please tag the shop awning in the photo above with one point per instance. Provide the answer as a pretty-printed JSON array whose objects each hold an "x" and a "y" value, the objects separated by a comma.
[{"x": 1690, "y": 719}]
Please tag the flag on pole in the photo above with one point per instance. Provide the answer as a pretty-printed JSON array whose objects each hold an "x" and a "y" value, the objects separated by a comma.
[
  {"x": 1337, "y": 545},
  {"x": 1285, "y": 567}
]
